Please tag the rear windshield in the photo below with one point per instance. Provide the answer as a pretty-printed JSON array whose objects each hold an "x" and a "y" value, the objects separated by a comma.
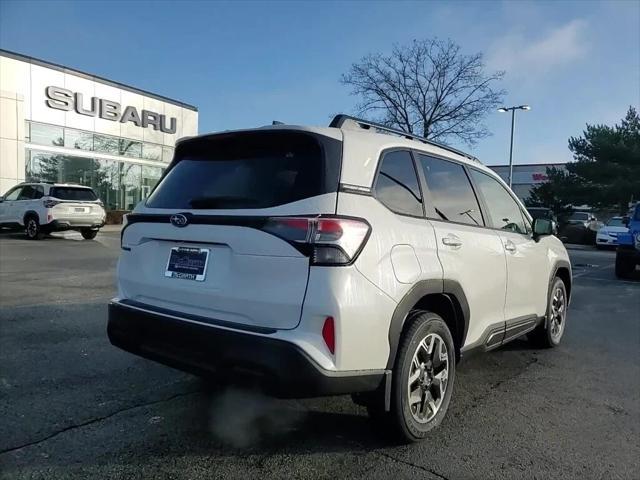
[
  {"x": 248, "y": 170},
  {"x": 73, "y": 193},
  {"x": 579, "y": 216}
]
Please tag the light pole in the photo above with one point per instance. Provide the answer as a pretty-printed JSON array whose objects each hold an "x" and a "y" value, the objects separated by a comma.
[{"x": 513, "y": 120}]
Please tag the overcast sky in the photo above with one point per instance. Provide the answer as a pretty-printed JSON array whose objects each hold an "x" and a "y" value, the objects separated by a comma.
[{"x": 246, "y": 64}]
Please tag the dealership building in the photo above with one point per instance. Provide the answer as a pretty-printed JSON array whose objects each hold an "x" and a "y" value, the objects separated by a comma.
[
  {"x": 526, "y": 176},
  {"x": 58, "y": 124}
]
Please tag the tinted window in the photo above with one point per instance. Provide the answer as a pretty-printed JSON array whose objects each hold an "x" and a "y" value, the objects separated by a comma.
[
  {"x": 615, "y": 222},
  {"x": 540, "y": 213},
  {"x": 39, "y": 192},
  {"x": 451, "y": 191},
  {"x": 28, "y": 193},
  {"x": 505, "y": 213},
  {"x": 13, "y": 194},
  {"x": 249, "y": 170},
  {"x": 73, "y": 193},
  {"x": 397, "y": 184}
]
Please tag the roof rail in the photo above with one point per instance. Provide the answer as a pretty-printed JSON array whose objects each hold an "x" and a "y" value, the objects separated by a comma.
[
  {"x": 341, "y": 120},
  {"x": 37, "y": 180}
]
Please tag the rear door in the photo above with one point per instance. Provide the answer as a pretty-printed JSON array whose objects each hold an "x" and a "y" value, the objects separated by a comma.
[
  {"x": 472, "y": 256},
  {"x": 205, "y": 243}
]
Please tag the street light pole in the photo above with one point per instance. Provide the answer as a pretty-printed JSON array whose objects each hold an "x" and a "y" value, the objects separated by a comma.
[{"x": 513, "y": 121}]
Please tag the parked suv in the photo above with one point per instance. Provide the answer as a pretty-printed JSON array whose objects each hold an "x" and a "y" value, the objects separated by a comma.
[
  {"x": 41, "y": 208},
  {"x": 350, "y": 259}
]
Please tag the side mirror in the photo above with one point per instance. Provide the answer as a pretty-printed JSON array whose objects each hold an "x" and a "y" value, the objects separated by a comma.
[{"x": 542, "y": 227}]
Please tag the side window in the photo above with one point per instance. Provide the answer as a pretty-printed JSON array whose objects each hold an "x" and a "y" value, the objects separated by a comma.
[
  {"x": 397, "y": 184},
  {"x": 39, "y": 192},
  {"x": 451, "y": 191},
  {"x": 13, "y": 194},
  {"x": 28, "y": 192},
  {"x": 503, "y": 209}
]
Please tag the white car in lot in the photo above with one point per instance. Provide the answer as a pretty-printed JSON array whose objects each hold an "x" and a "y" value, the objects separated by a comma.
[
  {"x": 353, "y": 259},
  {"x": 40, "y": 207},
  {"x": 607, "y": 236}
]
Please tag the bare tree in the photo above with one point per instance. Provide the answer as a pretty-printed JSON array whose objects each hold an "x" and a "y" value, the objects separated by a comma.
[{"x": 427, "y": 88}]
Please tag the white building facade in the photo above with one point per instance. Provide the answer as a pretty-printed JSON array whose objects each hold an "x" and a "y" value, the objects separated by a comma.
[{"x": 62, "y": 125}]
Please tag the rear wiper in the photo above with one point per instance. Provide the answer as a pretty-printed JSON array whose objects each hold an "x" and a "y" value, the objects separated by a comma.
[{"x": 223, "y": 201}]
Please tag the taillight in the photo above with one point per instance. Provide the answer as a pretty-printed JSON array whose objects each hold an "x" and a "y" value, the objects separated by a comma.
[
  {"x": 327, "y": 240},
  {"x": 329, "y": 334},
  {"x": 50, "y": 203}
]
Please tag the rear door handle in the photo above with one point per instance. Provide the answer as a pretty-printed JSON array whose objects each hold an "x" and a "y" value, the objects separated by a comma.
[
  {"x": 509, "y": 246},
  {"x": 451, "y": 241}
]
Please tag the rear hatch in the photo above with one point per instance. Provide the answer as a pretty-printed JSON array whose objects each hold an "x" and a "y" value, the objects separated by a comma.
[
  {"x": 204, "y": 242},
  {"x": 73, "y": 201}
]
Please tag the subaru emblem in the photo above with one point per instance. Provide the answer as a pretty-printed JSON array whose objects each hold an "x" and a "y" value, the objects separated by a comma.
[{"x": 179, "y": 220}]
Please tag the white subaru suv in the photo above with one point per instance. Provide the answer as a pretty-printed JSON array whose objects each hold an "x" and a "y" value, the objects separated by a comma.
[
  {"x": 353, "y": 259},
  {"x": 40, "y": 207}
]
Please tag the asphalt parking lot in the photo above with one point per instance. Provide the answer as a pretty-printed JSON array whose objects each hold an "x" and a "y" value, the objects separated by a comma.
[{"x": 73, "y": 406}]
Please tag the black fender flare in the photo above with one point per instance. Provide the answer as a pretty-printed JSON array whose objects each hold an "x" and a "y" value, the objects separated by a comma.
[
  {"x": 30, "y": 213},
  {"x": 561, "y": 263},
  {"x": 450, "y": 288}
]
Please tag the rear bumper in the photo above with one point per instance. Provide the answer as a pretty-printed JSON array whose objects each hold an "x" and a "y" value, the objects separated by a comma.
[
  {"x": 69, "y": 224},
  {"x": 280, "y": 367}
]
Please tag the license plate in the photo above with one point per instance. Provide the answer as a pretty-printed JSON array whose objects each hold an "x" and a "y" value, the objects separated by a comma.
[
  {"x": 80, "y": 210},
  {"x": 187, "y": 263}
]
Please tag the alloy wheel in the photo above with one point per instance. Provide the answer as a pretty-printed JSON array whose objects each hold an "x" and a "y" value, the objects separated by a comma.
[
  {"x": 32, "y": 228},
  {"x": 428, "y": 378},
  {"x": 557, "y": 313}
]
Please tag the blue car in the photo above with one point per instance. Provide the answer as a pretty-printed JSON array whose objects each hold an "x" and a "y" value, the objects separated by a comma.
[{"x": 628, "y": 252}]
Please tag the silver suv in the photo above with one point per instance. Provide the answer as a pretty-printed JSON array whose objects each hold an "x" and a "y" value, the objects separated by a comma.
[
  {"x": 351, "y": 259},
  {"x": 39, "y": 208}
]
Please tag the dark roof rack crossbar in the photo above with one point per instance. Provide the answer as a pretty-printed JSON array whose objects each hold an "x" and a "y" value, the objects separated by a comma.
[{"x": 340, "y": 119}]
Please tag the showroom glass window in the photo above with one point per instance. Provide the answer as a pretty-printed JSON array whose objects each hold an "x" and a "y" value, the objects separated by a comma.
[
  {"x": 130, "y": 177},
  {"x": 106, "y": 144},
  {"x": 107, "y": 183},
  {"x": 130, "y": 148},
  {"x": 50, "y": 135},
  {"x": 78, "y": 139},
  {"x": 152, "y": 151},
  {"x": 451, "y": 191},
  {"x": 503, "y": 209},
  {"x": 150, "y": 177},
  {"x": 397, "y": 184}
]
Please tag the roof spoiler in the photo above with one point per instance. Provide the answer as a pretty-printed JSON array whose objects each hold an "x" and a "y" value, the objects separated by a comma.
[{"x": 347, "y": 121}]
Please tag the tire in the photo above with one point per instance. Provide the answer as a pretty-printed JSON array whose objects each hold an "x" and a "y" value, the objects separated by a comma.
[
  {"x": 88, "y": 234},
  {"x": 32, "y": 228},
  {"x": 549, "y": 333},
  {"x": 624, "y": 269},
  {"x": 425, "y": 365}
]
